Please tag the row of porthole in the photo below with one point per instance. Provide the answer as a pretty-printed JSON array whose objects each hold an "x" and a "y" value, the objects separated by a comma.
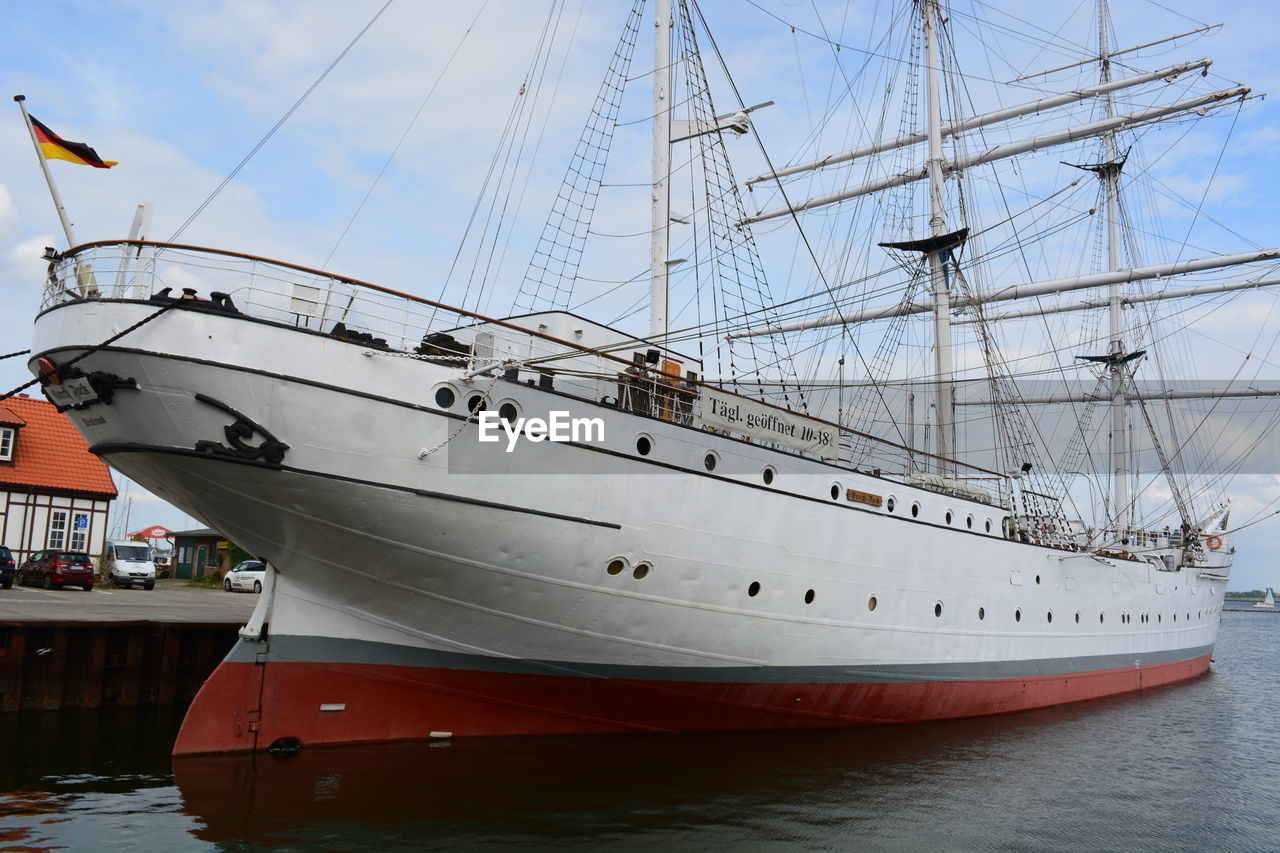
[
  {"x": 618, "y": 565},
  {"x": 891, "y": 504},
  {"x": 754, "y": 589},
  {"x": 1017, "y": 614},
  {"x": 445, "y": 398}
]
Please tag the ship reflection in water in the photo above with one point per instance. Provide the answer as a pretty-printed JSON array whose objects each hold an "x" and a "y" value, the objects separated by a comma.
[{"x": 1176, "y": 768}]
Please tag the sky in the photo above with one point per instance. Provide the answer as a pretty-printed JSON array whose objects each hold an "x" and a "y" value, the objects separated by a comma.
[{"x": 180, "y": 93}]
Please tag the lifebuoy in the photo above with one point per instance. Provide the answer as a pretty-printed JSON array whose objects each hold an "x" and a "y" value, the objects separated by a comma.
[
  {"x": 1213, "y": 542},
  {"x": 48, "y": 371}
]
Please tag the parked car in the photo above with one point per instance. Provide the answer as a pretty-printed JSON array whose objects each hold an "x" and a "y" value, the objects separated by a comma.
[
  {"x": 246, "y": 576},
  {"x": 56, "y": 568},
  {"x": 6, "y": 567}
]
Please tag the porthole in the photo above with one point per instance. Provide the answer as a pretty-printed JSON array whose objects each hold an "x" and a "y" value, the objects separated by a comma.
[
  {"x": 768, "y": 475},
  {"x": 616, "y": 566},
  {"x": 982, "y": 613},
  {"x": 890, "y": 503},
  {"x": 948, "y": 516},
  {"x": 1048, "y": 617},
  {"x": 1159, "y": 618},
  {"x": 445, "y": 398},
  {"x": 508, "y": 412},
  {"x": 871, "y": 603},
  {"x": 937, "y": 609},
  {"x": 709, "y": 461},
  {"x": 476, "y": 403},
  {"x": 1017, "y": 615},
  {"x": 968, "y": 521},
  {"x": 835, "y": 491},
  {"x": 1077, "y": 617},
  {"x": 915, "y": 510},
  {"x": 1175, "y": 617},
  {"x": 640, "y": 571},
  {"x": 1102, "y": 618},
  {"x": 754, "y": 589},
  {"x": 644, "y": 445},
  {"x": 1037, "y": 579},
  {"x": 808, "y": 596},
  {"x": 988, "y": 525}
]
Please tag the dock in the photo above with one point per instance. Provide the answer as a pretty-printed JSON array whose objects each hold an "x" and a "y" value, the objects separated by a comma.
[{"x": 113, "y": 647}]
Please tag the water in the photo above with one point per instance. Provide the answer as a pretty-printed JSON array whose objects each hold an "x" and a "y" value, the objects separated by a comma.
[{"x": 1190, "y": 767}]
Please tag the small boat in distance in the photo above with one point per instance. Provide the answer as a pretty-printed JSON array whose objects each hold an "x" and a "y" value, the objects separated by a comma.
[{"x": 1268, "y": 601}]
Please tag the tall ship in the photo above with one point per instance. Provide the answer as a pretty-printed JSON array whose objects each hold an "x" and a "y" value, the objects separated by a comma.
[{"x": 856, "y": 498}]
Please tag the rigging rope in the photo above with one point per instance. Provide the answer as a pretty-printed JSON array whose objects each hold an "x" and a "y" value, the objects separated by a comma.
[{"x": 270, "y": 133}]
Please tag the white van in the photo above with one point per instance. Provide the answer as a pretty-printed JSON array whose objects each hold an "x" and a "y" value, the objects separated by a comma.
[{"x": 128, "y": 564}]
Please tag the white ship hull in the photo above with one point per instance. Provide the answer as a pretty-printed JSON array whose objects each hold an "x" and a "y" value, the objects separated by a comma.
[{"x": 427, "y": 583}]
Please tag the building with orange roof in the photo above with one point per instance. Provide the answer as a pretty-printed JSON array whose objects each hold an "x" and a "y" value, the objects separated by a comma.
[{"x": 54, "y": 493}]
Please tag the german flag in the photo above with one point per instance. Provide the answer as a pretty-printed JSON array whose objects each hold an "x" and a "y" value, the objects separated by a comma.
[{"x": 54, "y": 147}]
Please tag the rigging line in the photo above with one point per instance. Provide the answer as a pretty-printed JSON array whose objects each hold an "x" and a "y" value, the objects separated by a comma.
[
  {"x": 1213, "y": 174},
  {"x": 1204, "y": 420},
  {"x": 512, "y": 122},
  {"x": 537, "y": 148},
  {"x": 1275, "y": 417},
  {"x": 1014, "y": 424},
  {"x": 842, "y": 46},
  {"x": 514, "y": 158},
  {"x": 648, "y": 119},
  {"x": 1064, "y": 45},
  {"x": 90, "y": 351},
  {"x": 1172, "y": 195},
  {"x": 12, "y": 354},
  {"x": 270, "y": 133},
  {"x": 769, "y": 162},
  {"x": 405, "y": 135},
  {"x": 1256, "y": 519},
  {"x": 1172, "y": 11},
  {"x": 692, "y": 332}
]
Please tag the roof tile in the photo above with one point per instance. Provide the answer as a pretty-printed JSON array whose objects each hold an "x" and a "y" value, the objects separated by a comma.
[{"x": 50, "y": 453}]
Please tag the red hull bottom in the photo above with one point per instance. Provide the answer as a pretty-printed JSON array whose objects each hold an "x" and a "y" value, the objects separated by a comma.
[{"x": 244, "y": 707}]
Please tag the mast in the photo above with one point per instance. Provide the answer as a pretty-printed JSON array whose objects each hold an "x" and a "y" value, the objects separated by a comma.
[
  {"x": 660, "y": 223},
  {"x": 937, "y": 274},
  {"x": 1116, "y": 365}
]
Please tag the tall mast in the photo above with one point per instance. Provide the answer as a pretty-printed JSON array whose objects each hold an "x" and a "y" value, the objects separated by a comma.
[
  {"x": 938, "y": 226},
  {"x": 1116, "y": 366},
  {"x": 660, "y": 222}
]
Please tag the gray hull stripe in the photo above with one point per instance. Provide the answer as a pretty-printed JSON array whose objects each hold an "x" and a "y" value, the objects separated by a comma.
[{"x": 307, "y": 649}]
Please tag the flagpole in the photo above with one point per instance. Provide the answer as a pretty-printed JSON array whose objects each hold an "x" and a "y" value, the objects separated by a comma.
[{"x": 48, "y": 176}]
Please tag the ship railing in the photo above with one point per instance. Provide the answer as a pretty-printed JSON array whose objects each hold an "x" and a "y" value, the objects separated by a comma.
[
  {"x": 282, "y": 293},
  {"x": 401, "y": 324}
]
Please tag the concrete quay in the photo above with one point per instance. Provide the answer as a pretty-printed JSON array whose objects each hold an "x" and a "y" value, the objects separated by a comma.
[{"x": 171, "y": 601}]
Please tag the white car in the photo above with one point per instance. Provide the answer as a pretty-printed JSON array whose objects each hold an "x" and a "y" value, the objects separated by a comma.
[{"x": 246, "y": 577}]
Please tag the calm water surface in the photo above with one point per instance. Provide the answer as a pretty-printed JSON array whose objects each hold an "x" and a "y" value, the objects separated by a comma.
[{"x": 1191, "y": 767}]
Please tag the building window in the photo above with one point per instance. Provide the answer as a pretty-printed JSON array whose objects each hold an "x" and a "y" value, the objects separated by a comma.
[
  {"x": 79, "y": 531},
  {"x": 57, "y": 528},
  {"x": 7, "y": 435}
]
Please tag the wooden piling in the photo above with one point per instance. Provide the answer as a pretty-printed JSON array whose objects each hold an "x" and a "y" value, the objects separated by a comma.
[{"x": 52, "y": 665}]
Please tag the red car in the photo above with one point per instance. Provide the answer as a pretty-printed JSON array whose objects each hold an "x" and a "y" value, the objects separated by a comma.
[{"x": 56, "y": 568}]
